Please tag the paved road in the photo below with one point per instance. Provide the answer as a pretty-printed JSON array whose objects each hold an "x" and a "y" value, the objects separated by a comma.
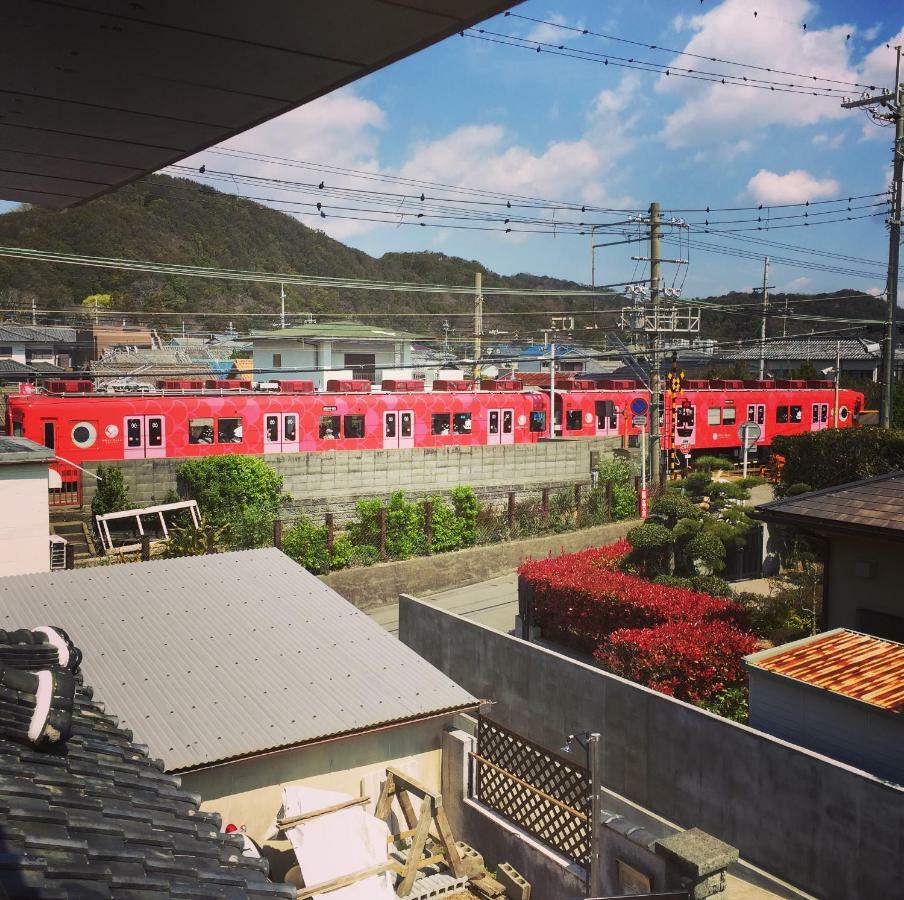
[{"x": 493, "y": 603}]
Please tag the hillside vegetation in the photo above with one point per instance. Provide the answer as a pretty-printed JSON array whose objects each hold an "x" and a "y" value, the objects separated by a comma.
[{"x": 180, "y": 221}]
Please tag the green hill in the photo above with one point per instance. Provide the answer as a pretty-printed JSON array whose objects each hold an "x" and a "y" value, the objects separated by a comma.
[{"x": 179, "y": 221}]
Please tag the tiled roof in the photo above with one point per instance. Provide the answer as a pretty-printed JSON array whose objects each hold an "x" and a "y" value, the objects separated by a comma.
[
  {"x": 14, "y": 367},
  {"x": 14, "y": 450},
  {"x": 804, "y": 348},
  {"x": 36, "y": 334},
  {"x": 875, "y": 505},
  {"x": 210, "y": 658},
  {"x": 329, "y": 330},
  {"x": 84, "y": 811},
  {"x": 856, "y": 665}
]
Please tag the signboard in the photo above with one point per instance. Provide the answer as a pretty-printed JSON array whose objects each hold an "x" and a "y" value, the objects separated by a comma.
[
  {"x": 639, "y": 406},
  {"x": 749, "y": 433},
  {"x": 639, "y": 421},
  {"x": 643, "y": 503}
]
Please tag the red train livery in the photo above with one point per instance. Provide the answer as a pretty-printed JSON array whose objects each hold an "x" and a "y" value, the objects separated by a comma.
[{"x": 188, "y": 418}]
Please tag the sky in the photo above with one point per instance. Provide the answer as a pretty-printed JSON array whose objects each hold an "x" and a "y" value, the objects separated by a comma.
[{"x": 513, "y": 121}]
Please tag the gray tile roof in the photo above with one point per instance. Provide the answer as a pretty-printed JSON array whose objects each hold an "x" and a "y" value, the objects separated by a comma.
[
  {"x": 804, "y": 348},
  {"x": 15, "y": 450},
  {"x": 10, "y": 332},
  {"x": 215, "y": 657},
  {"x": 874, "y": 506}
]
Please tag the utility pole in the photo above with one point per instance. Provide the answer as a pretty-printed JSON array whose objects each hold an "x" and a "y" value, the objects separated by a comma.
[
  {"x": 892, "y": 101},
  {"x": 837, "y": 380},
  {"x": 282, "y": 306},
  {"x": 478, "y": 325},
  {"x": 552, "y": 391},
  {"x": 655, "y": 392},
  {"x": 34, "y": 312},
  {"x": 763, "y": 323}
]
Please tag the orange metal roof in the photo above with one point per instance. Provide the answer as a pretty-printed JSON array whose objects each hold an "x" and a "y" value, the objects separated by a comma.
[
  {"x": 243, "y": 368},
  {"x": 857, "y": 665}
]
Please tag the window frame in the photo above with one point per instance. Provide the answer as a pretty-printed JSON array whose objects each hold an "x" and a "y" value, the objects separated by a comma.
[
  {"x": 356, "y": 417},
  {"x": 334, "y": 422},
  {"x": 219, "y": 432},
  {"x": 459, "y": 420},
  {"x": 537, "y": 421},
  {"x": 709, "y": 415},
  {"x": 569, "y": 420},
  {"x": 732, "y": 420}
]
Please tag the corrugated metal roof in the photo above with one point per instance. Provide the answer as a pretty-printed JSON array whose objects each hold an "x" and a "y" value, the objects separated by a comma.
[
  {"x": 214, "y": 657},
  {"x": 804, "y": 348},
  {"x": 14, "y": 450},
  {"x": 846, "y": 662}
]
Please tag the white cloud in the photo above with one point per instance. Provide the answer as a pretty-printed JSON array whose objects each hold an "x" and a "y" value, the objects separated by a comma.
[
  {"x": 548, "y": 34},
  {"x": 828, "y": 141},
  {"x": 872, "y": 33},
  {"x": 775, "y": 39},
  {"x": 796, "y": 186},
  {"x": 875, "y": 291},
  {"x": 797, "y": 285}
]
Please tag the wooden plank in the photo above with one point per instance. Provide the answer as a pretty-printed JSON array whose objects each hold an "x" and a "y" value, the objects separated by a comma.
[
  {"x": 404, "y": 782},
  {"x": 447, "y": 842},
  {"x": 384, "y": 803},
  {"x": 417, "y": 848},
  {"x": 407, "y": 809},
  {"x": 345, "y": 804},
  {"x": 344, "y": 880},
  {"x": 401, "y": 836}
]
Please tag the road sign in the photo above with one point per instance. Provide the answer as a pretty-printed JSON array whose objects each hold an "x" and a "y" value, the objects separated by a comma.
[
  {"x": 639, "y": 406},
  {"x": 639, "y": 421},
  {"x": 643, "y": 503},
  {"x": 749, "y": 433}
]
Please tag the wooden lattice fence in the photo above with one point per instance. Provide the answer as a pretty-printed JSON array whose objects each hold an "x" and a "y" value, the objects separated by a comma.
[{"x": 541, "y": 793}]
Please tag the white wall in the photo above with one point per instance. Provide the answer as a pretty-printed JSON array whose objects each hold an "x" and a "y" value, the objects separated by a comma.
[{"x": 24, "y": 519}]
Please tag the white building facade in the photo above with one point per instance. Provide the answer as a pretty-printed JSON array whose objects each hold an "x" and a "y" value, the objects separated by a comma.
[{"x": 24, "y": 509}]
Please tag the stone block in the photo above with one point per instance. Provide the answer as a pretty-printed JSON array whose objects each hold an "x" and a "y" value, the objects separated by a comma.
[
  {"x": 696, "y": 861},
  {"x": 473, "y": 861},
  {"x": 516, "y": 887}
]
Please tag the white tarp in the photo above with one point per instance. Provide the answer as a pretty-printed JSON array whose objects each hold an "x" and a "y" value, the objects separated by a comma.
[{"x": 338, "y": 843}]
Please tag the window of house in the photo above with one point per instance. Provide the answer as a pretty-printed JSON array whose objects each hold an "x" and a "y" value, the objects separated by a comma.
[
  {"x": 6, "y": 351},
  {"x": 329, "y": 427},
  {"x": 781, "y": 415},
  {"x": 538, "y": 421},
  {"x": 574, "y": 420},
  {"x": 461, "y": 423},
  {"x": 714, "y": 416},
  {"x": 729, "y": 415},
  {"x": 229, "y": 431},
  {"x": 440, "y": 423},
  {"x": 354, "y": 426},
  {"x": 363, "y": 365},
  {"x": 277, "y": 360}
]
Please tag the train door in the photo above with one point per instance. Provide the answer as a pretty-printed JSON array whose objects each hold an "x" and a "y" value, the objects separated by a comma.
[
  {"x": 281, "y": 433},
  {"x": 398, "y": 428},
  {"x": 819, "y": 416},
  {"x": 50, "y": 434},
  {"x": 685, "y": 419},
  {"x": 145, "y": 436},
  {"x": 500, "y": 426},
  {"x": 606, "y": 417},
  {"x": 756, "y": 412}
]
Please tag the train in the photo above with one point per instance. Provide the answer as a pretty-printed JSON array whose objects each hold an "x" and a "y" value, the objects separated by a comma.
[{"x": 183, "y": 418}]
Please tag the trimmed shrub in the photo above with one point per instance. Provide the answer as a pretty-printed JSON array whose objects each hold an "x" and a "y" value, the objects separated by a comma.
[
  {"x": 227, "y": 486},
  {"x": 112, "y": 494}
]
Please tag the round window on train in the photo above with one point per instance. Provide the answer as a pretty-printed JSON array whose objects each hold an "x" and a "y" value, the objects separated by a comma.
[
  {"x": 843, "y": 414},
  {"x": 84, "y": 434}
]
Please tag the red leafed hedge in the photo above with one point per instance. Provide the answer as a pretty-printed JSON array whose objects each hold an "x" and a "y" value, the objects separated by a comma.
[
  {"x": 580, "y": 599},
  {"x": 683, "y": 659}
]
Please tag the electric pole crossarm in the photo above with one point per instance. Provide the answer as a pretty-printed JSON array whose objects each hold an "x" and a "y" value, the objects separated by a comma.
[{"x": 869, "y": 101}]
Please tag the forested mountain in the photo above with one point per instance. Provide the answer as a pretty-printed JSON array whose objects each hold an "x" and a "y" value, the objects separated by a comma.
[{"x": 179, "y": 221}]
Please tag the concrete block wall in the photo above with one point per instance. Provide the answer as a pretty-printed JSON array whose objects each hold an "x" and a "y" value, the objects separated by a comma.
[
  {"x": 334, "y": 480},
  {"x": 823, "y": 826}
]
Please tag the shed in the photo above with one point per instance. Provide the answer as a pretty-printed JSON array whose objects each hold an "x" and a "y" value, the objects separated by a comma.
[
  {"x": 840, "y": 693},
  {"x": 24, "y": 510},
  {"x": 245, "y": 672}
]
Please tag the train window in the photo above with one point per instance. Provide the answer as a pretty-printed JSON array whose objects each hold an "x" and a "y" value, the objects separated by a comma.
[
  {"x": 84, "y": 434},
  {"x": 291, "y": 428},
  {"x": 843, "y": 414},
  {"x": 815, "y": 418},
  {"x": 155, "y": 431},
  {"x": 229, "y": 431},
  {"x": 277, "y": 360},
  {"x": 200, "y": 431},
  {"x": 354, "y": 426},
  {"x": 407, "y": 424},
  {"x": 389, "y": 421},
  {"x": 606, "y": 414},
  {"x": 49, "y": 435},
  {"x": 17, "y": 428},
  {"x": 271, "y": 426},
  {"x": 329, "y": 427},
  {"x": 797, "y": 414},
  {"x": 781, "y": 415},
  {"x": 461, "y": 423},
  {"x": 714, "y": 416},
  {"x": 538, "y": 421},
  {"x": 440, "y": 423},
  {"x": 507, "y": 421},
  {"x": 494, "y": 422},
  {"x": 574, "y": 420},
  {"x": 729, "y": 415},
  {"x": 133, "y": 433}
]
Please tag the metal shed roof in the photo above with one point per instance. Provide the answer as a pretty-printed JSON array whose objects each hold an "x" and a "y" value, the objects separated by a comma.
[
  {"x": 217, "y": 657},
  {"x": 806, "y": 348},
  {"x": 96, "y": 93}
]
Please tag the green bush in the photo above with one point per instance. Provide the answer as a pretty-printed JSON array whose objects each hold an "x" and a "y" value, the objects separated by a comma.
[
  {"x": 186, "y": 540},
  {"x": 112, "y": 493},
  {"x": 404, "y": 526},
  {"x": 711, "y": 463},
  {"x": 711, "y": 584},
  {"x": 227, "y": 486},
  {"x": 448, "y": 528},
  {"x": 797, "y": 489},
  {"x": 672, "y": 507},
  {"x": 651, "y": 548},
  {"x": 249, "y": 528},
  {"x": 305, "y": 542},
  {"x": 621, "y": 473},
  {"x": 779, "y": 617},
  {"x": 708, "y": 549},
  {"x": 363, "y": 555},
  {"x": 674, "y": 581},
  {"x": 562, "y": 511},
  {"x": 750, "y": 481},
  {"x": 467, "y": 507}
]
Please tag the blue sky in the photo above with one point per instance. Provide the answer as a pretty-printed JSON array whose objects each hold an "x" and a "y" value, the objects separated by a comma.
[{"x": 475, "y": 114}]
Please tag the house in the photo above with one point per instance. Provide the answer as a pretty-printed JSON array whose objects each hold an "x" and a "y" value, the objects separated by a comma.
[
  {"x": 332, "y": 350},
  {"x": 31, "y": 345},
  {"x": 13, "y": 372},
  {"x": 244, "y": 673},
  {"x": 859, "y": 528},
  {"x": 24, "y": 510},
  {"x": 570, "y": 358},
  {"x": 85, "y": 811},
  {"x": 840, "y": 693},
  {"x": 95, "y": 340},
  {"x": 784, "y": 357}
]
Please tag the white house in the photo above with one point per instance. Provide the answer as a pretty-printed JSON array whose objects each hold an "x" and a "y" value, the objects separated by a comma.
[
  {"x": 36, "y": 344},
  {"x": 331, "y": 350}
]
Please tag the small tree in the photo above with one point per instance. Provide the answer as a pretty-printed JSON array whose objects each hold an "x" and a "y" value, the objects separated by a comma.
[{"x": 112, "y": 494}]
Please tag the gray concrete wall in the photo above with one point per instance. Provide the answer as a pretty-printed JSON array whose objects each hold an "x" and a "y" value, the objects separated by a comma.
[
  {"x": 382, "y": 583},
  {"x": 334, "y": 480},
  {"x": 827, "y": 828}
]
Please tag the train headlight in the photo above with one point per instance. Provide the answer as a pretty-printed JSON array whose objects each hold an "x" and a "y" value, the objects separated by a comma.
[{"x": 84, "y": 434}]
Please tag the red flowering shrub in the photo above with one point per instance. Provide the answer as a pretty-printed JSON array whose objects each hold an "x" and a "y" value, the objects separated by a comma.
[{"x": 694, "y": 661}]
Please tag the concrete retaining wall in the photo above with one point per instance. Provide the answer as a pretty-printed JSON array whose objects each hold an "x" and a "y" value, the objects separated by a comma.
[
  {"x": 334, "y": 480},
  {"x": 384, "y": 582},
  {"x": 825, "y": 827}
]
